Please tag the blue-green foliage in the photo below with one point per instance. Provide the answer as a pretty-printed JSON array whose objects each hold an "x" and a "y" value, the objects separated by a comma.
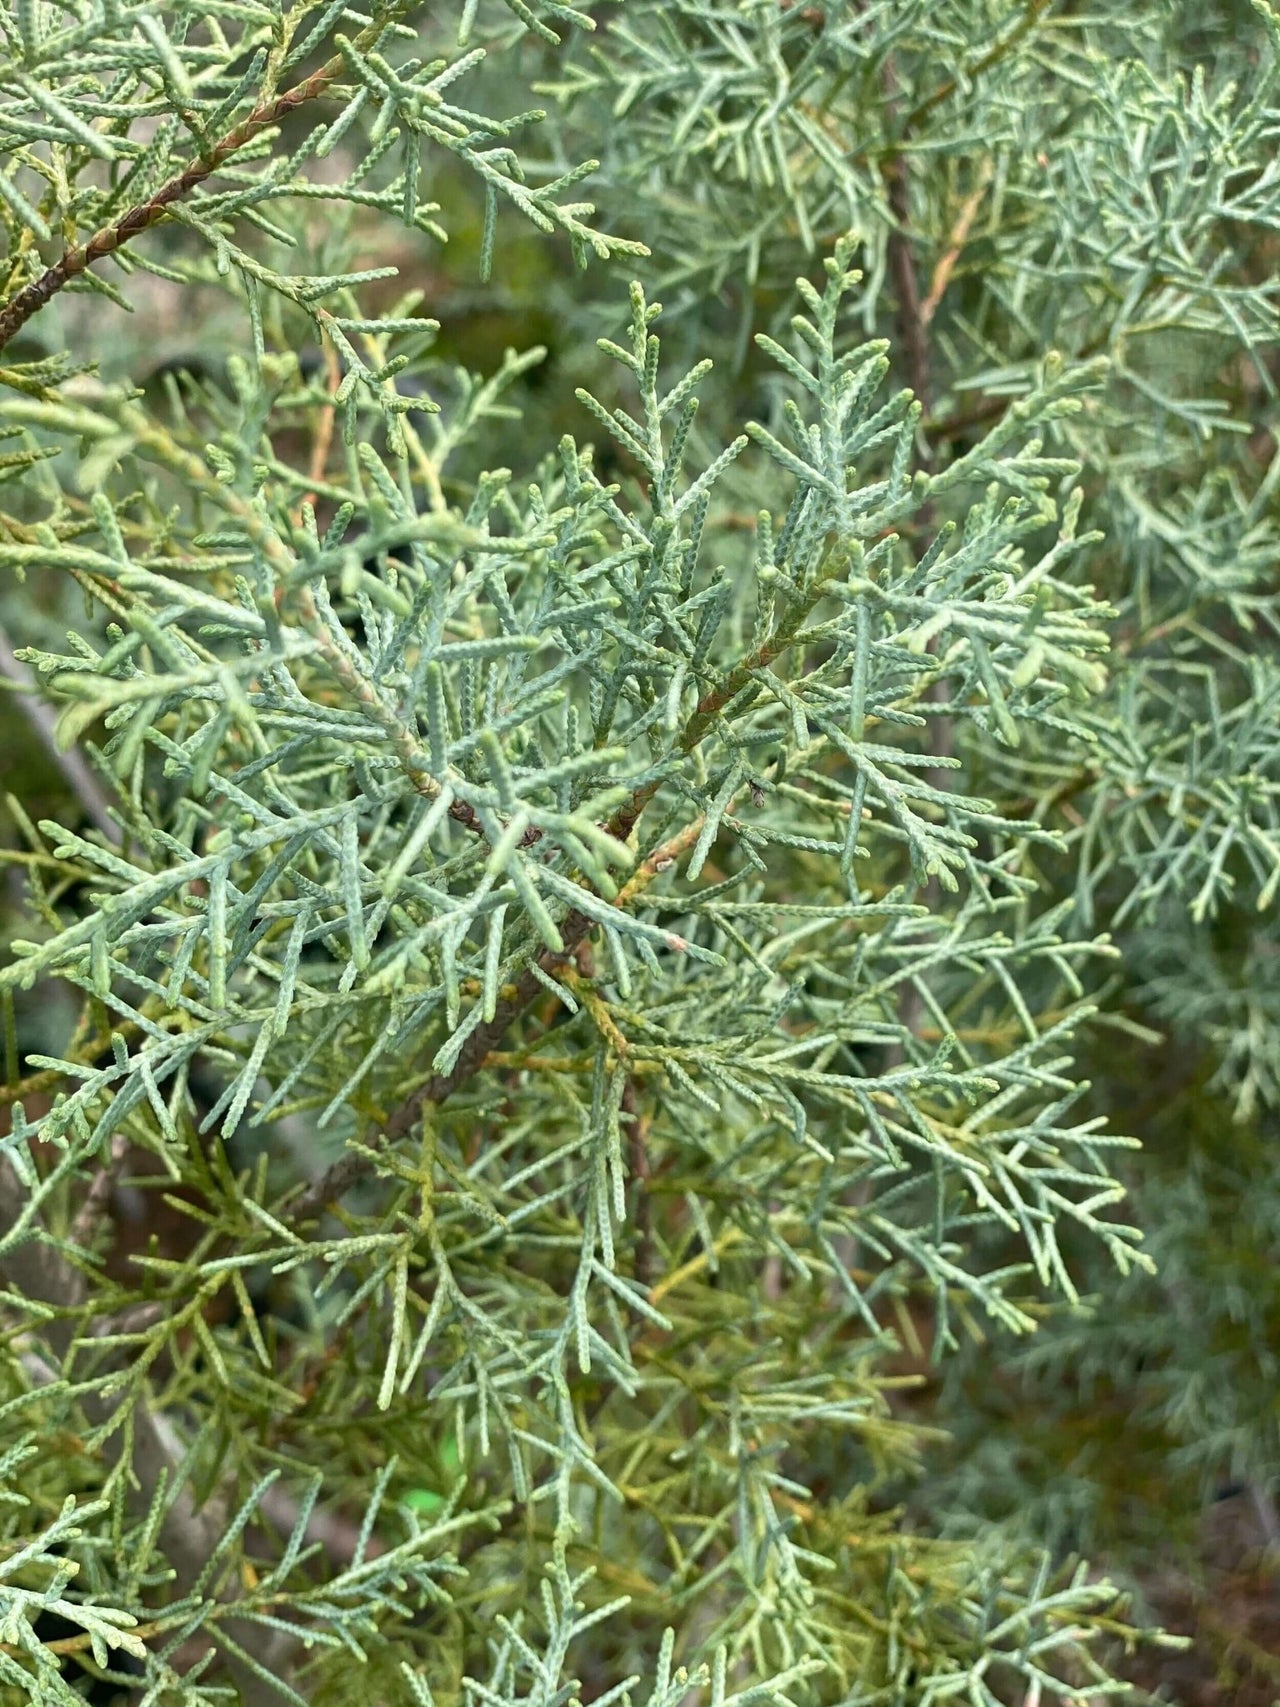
[{"x": 595, "y": 951}]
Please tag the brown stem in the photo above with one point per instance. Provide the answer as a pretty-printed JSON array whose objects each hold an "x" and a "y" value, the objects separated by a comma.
[
  {"x": 469, "y": 818},
  {"x": 913, "y": 330},
  {"x": 323, "y": 440},
  {"x": 32, "y": 297},
  {"x": 913, "y": 316}
]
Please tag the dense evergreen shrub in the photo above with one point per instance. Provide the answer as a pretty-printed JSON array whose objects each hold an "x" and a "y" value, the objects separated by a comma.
[{"x": 602, "y": 918}]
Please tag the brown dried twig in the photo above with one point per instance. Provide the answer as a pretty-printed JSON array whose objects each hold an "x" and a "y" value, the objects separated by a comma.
[{"x": 946, "y": 262}]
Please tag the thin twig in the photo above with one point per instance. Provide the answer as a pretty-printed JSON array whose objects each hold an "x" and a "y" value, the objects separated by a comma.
[
  {"x": 70, "y": 764},
  {"x": 322, "y": 443},
  {"x": 955, "y": 245},
  {"x": 32, "y": 297},
  {"x": 943, "y": 429},
  {"x": 912, "y": 327}
]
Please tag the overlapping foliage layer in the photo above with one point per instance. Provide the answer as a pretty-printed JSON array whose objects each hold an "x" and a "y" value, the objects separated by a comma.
[{"x": 607, "y": 864}]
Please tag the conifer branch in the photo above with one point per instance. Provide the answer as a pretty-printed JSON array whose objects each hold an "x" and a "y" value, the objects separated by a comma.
[
  {"x": 32, "y": 297},
  {"x": 1032, "y": 12},
  {"x": 574, "y": 929},
  {"x": 689, "y": 1149},
  {"x": 189, "y": 1532}
]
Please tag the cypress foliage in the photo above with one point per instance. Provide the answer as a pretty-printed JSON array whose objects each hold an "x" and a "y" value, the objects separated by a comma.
[{"x": 580, "y": 1009}]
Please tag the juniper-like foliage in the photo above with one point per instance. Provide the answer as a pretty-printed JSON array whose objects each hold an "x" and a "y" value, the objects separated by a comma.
[{"x": 569, "y": 967}]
